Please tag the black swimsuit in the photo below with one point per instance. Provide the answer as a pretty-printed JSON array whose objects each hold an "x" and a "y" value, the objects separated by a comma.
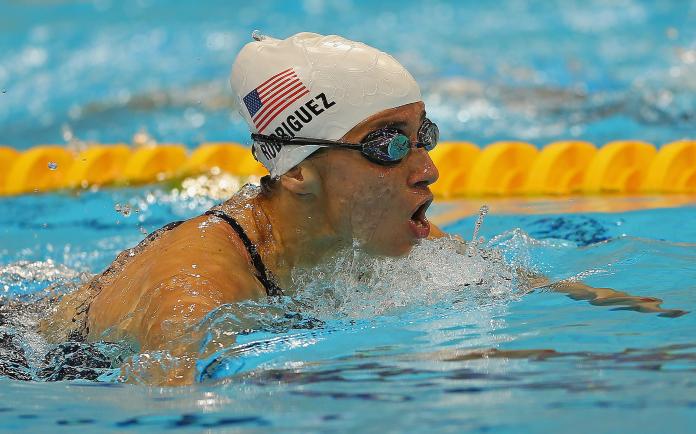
[{"x": 261, "y": 271}]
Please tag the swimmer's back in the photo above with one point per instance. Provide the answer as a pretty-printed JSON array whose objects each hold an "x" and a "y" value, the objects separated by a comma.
[{"x": 154, "y": 292}]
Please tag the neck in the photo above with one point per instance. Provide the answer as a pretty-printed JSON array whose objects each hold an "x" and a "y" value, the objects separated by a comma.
[{"x": 290, "y": 232}]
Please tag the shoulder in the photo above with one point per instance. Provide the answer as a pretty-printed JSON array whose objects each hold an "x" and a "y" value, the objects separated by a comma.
[{"x": 206, "y": 251}]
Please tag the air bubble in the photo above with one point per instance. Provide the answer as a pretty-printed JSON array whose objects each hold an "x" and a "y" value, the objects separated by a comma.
[{"x": 52, "y": 165}]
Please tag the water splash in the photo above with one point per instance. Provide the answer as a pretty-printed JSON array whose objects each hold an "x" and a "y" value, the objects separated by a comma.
[
  {"x": 347, "y": 293},
  {"x": 24, "y": 278},
  {"x": 475, "y": 240},
  {"x": 354, "y": 285}
]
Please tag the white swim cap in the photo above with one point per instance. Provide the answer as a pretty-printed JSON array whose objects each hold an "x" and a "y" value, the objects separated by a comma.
[{"x": 313, "y": 86}]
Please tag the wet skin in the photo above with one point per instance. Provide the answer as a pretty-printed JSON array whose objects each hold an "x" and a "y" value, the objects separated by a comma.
[{"x": 330, "y": 201}]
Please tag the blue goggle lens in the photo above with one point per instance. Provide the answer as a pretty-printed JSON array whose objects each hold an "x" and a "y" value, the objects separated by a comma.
[{"x": 389, "y": 145}]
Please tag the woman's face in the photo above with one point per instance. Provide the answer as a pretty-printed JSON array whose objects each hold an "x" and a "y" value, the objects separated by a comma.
[{"x": 380, "y": 207}]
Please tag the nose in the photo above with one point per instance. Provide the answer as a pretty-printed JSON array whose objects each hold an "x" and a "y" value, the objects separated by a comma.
[{"x": 422, "y": 169}]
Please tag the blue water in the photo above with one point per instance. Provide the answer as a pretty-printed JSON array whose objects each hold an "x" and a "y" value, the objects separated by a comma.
[
  {"x": 413, "y": 349},
  {"x": 398, "y": 353},
  {"x": 535, "y": 71}
]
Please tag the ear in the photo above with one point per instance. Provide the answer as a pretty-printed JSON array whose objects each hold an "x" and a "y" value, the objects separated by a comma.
[{"x": 302, "y": 180}]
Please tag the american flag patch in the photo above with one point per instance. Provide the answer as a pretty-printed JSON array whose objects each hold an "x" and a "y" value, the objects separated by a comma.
[{"x": 273, "y": 96}]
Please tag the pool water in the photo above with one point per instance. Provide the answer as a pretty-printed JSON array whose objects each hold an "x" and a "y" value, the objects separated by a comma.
[
  {"x": 508, "y": 70},
  {"x": 421, "y": 343},
  {"x": 441, "y": 341}
]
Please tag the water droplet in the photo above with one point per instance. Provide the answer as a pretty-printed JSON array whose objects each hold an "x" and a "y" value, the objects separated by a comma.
[
  {"x": 194, "y": 266},
  {"x": 124, "y": 210},
  {"x": 257, "y": 36},
  {"x": 474, "y": 239},
  {"x": 52, "y": 165},
  {"x": 143, "y": 230},
  {"x": 4, "y": 91}
]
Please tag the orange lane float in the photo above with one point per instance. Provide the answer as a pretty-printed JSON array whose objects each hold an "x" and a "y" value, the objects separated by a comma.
[
  {"x": 98, "y": 165},
  {"x": 673, "y": 170},
  {"x": 619, "y": 167},
  {"x": 454, "y": 161},
  {"x": 41, "y": 168},
  {"x": 153, "y": 163},
  {"x": 502, "y": 169},
  {"x": 559, "y": 168}
]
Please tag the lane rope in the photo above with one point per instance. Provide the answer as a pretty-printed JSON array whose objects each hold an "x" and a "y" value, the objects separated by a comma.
[{"x": 509, "y": 168}]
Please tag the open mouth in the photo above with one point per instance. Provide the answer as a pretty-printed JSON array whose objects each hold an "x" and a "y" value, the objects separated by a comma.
[{"x": 419, "y": 222}]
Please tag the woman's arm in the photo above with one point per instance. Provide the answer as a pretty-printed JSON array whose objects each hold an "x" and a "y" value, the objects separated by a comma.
[
  {"x": 605, "y": 296},
  {"x": 580, "y": 291}
]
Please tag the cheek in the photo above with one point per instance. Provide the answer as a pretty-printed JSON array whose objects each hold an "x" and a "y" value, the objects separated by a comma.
[
  {"x": 355, "y": 184},
  {"x": 377, "y": 211},
  {"x": 366, "y": 202}
]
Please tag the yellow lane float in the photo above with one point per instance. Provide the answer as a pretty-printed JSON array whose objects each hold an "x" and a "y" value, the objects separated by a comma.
[
  {"x": 454, "y": 161},
  {"x": 153, "y": 163},
  {"x": 248, "y": 166},
  {"x": 98, "y": 165},
  {"x": 619, "y": 167},
  {"x": 499, "y": 169},
  {"x": 673, "y": 170},
  {"x": 7, "y": 158},
  {"x": 502, "y": 168},
  {"x": 41, "y": 168},
  {"x": 225, "y": 156},
  {"x": 559, "y": 168}
]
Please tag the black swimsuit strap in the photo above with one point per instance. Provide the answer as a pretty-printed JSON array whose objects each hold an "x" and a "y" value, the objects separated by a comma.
[{"x": 261, "y": 270}]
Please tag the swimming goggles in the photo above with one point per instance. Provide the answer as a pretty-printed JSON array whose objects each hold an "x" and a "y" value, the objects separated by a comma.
[{"x": 385, "y": 146}]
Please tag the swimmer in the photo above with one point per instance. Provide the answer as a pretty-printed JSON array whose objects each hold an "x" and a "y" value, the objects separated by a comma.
[{"x": 344, "y": 133}]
